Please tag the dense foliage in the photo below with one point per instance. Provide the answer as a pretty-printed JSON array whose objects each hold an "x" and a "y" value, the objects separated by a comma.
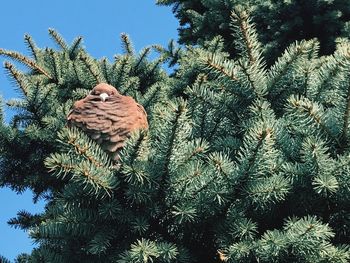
[
  {"x": 241, "y": 163},
  {"x": 279, "y": 23}
]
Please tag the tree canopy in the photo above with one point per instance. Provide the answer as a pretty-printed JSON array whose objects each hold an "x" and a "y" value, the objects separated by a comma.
[{"x": 242, "y": 162}]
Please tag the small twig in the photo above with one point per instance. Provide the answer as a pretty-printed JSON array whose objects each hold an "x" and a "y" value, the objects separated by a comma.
[
  {"x": 211, "y": 63},
  {"x": 17, "y": 76},
  {"x": 28, "y": 62}
]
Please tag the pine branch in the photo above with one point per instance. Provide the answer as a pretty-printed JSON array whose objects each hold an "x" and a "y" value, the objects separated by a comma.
[
  {"x": 329, "y": 74},
  {"x": 151, "y": 96},
  {"x": 74, "y": 48},
  {"x": 173, "y": 53},
  {"x": 177, "y": 112},
  {"x": 199, "y": 92},
  {"x": 345, "y": 54},
  {"x": 121, "y": 68},
  {"x": 250, "y": 61},
  {"x": 32, "y": 104},
  {"x": 72, "y": 137},
  {"x": 82, "y": 172},
  {"x": 24, "y": 220},
  {"x": 305, "y": 106},
  {"x": 38, "y": 104},
  {"x": 241, "y": 19},
  {"x": 105, "y": 70},
  {"x": 91, "y": 66},
  {"x": 308, "y": 71},
  {"x": 84, "y": 162},
  {"x": 56, "y": 163},
  {"x": 198, "y": 150},
  {"x": 155, "y": 65},
  {"x": 133, "y": 148},
  {"x": 216, "y": 44},
  {"x": 58, "y": 38},
  {"x": 344, "y": 135},
  {"x": 18, "y": 77},
  {"x": 174, "y": 126},
  {"x": 204, "y": 187},
  {"x": 142, "y": 57},
  {"x": 127, "y": 45},
  {"x": 24, "y": 60},
  {"x": 158, "y": 48},
  {"x": 4, "y": 260},
  {"x": 269, "y": 191},
  {"x": 286, "y": 62},
  {"x": 341, "y": 164},
  {"x": 259, "y": 90},
  {"x": 76, "y": 68},
  {"x": 243, "y": 175},
  {"x": 252, "y": 159},
  {"x": 223, "y": 67},
  {"x": 31, "y": 45},
  {"x": 55, "y": 65}
]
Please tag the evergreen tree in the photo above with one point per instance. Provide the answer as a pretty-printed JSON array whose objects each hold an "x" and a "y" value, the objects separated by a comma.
[
  {"x": 240, "y": 164},
  {"x": 279, "y": 23}
]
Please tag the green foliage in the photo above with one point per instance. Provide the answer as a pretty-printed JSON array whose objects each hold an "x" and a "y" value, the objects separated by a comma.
[
  {"x": 300, "y": 240},
  {"x": 4, "y": 260},
  {"x": 279, "y": 23},
  {"x": 241, "y": 163},
  {"x": 84, "y": 160}
]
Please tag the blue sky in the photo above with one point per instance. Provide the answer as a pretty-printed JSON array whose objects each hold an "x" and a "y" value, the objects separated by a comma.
[{"x": 100, "y": 23}]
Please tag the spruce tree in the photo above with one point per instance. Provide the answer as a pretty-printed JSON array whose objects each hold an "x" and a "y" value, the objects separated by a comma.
[
  {"x": 241, "y": 163},
  {"x": 279, "y": 23}
]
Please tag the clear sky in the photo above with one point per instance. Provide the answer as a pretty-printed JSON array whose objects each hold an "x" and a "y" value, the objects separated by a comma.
[{"x": 100, "y": 23}]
